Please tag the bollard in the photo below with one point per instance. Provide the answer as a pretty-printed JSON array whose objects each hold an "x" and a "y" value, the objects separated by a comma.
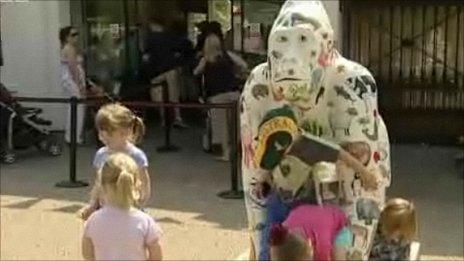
[
  {"x": 234, "y": 192},
  {"x": 72, "y": 182},
  {"x": 167, "y": 147}
]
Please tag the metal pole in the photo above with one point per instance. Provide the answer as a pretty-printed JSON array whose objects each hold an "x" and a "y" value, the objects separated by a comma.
[
  {"x": 72, "y": 149},
  {"x": 234, "y": 193},
  {"x": 72, "y": 183}
]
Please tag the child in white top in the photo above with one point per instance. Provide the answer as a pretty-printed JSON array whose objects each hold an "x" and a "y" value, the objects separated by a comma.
[
  {"x": 118, "y": 128},
  {"x": 118, "y": 231}
]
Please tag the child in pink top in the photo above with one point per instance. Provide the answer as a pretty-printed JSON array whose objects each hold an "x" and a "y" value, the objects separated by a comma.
[
  {"x": 324, "y": 227},
  {"x": 119, "y": 231}
]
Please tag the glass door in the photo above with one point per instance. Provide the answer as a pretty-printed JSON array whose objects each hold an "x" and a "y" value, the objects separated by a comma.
[{"x": 112, "y": 42}]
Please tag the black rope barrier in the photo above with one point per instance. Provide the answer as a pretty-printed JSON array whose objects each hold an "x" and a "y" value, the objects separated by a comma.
[
  {"x": 72, "y": 182},
  {"x": 233, "y": 193}
]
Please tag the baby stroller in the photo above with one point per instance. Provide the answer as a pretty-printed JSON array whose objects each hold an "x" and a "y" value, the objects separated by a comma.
[{"x": 22, "y": 127}]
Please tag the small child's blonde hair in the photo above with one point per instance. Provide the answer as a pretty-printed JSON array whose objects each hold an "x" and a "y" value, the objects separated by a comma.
[
  {"x": 289, "y": 245},
  {"x": 398, "y": 215},
  {"x": 114, "y": 116},
  {"x": 119, "y": 179}
]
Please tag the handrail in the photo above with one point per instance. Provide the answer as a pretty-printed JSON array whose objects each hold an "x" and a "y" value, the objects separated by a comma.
[
  {"x": 97, "y": 101},
  {"x": 149, "y": 104}
]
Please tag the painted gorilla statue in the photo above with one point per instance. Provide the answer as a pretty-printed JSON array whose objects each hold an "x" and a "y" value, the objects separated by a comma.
[{"x": 307, "y": 89}]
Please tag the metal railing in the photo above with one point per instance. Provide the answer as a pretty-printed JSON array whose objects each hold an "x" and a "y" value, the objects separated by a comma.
[{"x": 233, "y": 193}]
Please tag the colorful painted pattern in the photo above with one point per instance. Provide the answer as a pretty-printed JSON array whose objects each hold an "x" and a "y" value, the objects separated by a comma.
[{"x": 307, "y": 87}]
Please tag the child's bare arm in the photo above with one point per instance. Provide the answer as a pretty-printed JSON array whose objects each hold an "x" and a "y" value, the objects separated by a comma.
[
  {"x": 87, "y": 249},
  {"x": 340, "y": 253},
  {"x": 154, "y": 251},
  {"x": 369, "y": 179},
  {"x": 146, "y": 185},
  {"x": 96, "y": 191},
  {"x": 94, "y": 202}
]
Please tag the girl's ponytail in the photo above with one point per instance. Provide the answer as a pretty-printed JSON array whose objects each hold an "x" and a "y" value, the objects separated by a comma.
[
  {"x": 125, "y": 189},
  {"x": 138, "y": 130},
  {"x": 119, "y": 177}
]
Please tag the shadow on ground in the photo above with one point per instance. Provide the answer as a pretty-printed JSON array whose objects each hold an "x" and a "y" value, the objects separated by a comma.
[{"x": 188, "y": 181}]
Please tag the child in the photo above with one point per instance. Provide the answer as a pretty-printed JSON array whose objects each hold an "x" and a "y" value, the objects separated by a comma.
[
  {"x": 293, "y": 173},
  {"x": 350, "y": 183},
  {"x": 118, "y": 128},
  {"x": 396, "y": 230},
  {"x": 326, "y": 227},
  {"x": 118, "y": 231},
  {"x": 286, "y": 245}
]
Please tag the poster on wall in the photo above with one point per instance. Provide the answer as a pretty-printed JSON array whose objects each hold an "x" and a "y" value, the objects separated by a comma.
[
  {"x": 115, "y": 31},
  {"x": 253, "y": 42}
]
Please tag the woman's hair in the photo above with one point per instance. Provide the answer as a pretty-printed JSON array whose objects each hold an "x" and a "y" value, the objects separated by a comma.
[
  {"x": 64, "y": 33},
  {"x": 119, "y": 179},
  {"x": 286, "y": 245},
  {"x": 213, "y": 48},
  {"x": 398, "y": 215},
  {"x": 214, "y": 27},
  {"x": 113, "y": 117}
]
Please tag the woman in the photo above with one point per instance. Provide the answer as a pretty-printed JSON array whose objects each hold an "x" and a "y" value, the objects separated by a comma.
[
  {"x": 217, "y": 67},
  {"x": 162, "y": 58},
  {"x": 72, "y": 77}
]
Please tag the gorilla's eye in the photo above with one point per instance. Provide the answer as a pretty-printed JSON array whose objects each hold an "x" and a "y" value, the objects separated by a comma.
[
  {"x": 282, "y": 39},
  {"x": 303, "y": 38},
  {"x": 276, "y": 54}
]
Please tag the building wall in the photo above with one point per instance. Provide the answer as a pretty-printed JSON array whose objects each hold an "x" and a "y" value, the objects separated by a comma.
[
  {"x": 31, "y": 48},
  {"x": 31, "y": 51}
]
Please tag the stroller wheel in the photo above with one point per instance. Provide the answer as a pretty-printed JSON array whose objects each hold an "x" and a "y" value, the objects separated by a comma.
[
  {"x": 9, "y": 158},
  {"x": 54, "y": 150}
]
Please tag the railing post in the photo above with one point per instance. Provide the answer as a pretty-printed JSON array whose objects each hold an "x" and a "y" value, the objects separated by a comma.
[
  {"x": 234, "y": 192},
  {"x": 72, "y": 182}
]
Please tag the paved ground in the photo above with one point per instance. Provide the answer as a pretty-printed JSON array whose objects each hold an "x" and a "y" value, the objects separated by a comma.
[{"x": 38, "y": 221}]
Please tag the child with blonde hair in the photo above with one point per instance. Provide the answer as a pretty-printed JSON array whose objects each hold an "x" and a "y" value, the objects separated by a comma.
[
  {"x": 118, "y": 128},
  {"x": 396, "y": 230},
  {"x": 289, "y": 245},
  {"x": 118, "y": 231}
]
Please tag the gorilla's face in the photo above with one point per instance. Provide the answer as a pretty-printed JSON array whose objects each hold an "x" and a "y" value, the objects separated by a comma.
[
  {"x": 292, "y": 58},
  {"x": 299, "y": 44}
]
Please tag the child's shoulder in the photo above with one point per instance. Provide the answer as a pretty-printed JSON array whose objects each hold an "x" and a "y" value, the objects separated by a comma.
[
  {"x": 141, "y": 215},
  {"x": 100, "y": 157},
  {"x": 101, "y": 151},
  {"x": 135, "y": 149},
  {"x": 138, "y": 154},
  {"x": 96, "y": 216}
]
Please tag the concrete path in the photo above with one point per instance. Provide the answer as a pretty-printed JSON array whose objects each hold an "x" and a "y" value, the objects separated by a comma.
[{"x": 38, "y": 221}]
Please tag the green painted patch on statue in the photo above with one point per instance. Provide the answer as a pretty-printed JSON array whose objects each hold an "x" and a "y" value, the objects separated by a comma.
[{"x": 275, "y": 135}]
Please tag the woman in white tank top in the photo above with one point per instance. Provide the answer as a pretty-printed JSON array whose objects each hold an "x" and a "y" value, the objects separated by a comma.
[{"x": 72, "y": 77}]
